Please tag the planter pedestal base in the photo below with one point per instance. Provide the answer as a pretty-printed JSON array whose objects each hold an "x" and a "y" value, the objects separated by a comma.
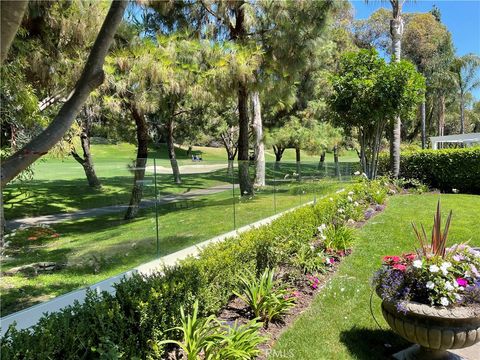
[{"x": 417, "y": 352}]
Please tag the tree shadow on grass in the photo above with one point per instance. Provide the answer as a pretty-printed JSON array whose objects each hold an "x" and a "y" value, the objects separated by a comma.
[{"x": 367, "y": 344}]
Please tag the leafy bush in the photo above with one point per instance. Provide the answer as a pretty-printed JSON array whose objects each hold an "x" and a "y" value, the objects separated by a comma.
[
  {"x": 446, "y": 169},
  {"x": 266, "y": 301},
  {"x": 132, "y": 323}
]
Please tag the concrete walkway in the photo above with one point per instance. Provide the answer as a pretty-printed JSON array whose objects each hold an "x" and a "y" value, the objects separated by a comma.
[{"x": 61, "y": 217}]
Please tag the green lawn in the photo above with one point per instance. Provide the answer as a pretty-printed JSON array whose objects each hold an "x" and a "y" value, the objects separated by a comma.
[
  {"x": 59, "y": 185},
  {"x": 339, "y": 325},
  {"x": 93, "y": 249}
]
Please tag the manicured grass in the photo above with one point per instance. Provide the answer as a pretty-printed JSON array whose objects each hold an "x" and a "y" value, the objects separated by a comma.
[
  {"x": 59, "y": 185},
  {"x": 92, "y": 249},
  {"x": 339, "y": 325}
]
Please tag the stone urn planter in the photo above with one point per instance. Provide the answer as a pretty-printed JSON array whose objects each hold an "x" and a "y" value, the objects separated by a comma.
[{"x": 434, "y": 329}]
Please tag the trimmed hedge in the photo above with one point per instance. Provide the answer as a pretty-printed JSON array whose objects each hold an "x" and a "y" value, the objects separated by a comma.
[
  {"x": 130, "y": 323},
  {"x": 445, "y": 169}
]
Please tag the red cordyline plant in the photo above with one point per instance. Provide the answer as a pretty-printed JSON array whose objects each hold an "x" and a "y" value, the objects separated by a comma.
[{"x": 438, "y": 241}]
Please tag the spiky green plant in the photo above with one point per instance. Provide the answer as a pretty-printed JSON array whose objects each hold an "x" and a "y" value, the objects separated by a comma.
[{"x": 438, "y": 239}]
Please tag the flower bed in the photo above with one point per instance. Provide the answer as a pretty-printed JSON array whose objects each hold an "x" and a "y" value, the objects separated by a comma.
[{"x": 134, "y": 321}]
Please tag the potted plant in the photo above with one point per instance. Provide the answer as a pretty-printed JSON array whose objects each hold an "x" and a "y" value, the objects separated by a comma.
[{"x": 432, "y": 297}]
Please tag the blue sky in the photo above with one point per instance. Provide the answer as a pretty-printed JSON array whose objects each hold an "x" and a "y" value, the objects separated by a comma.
[{"x": 461, "y": 17}]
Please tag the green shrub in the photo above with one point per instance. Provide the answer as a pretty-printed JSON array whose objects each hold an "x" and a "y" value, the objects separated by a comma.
[
  {"x": 445, "y": 169},
  {"x": 132, "y": 323}
]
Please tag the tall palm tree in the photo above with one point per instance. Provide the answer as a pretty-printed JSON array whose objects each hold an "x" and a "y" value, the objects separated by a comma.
[
  {"x": 466, "y": 77},
  {"x": 396, "y": 32}
]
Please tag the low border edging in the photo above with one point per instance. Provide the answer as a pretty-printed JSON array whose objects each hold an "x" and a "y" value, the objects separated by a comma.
[{"x": 30, "y": 316}]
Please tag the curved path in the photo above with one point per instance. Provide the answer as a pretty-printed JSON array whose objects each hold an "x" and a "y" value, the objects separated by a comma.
[{"x": 61, "y": 217}]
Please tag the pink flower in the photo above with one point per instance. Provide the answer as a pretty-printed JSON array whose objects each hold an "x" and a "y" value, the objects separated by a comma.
[
  {"x": 400, "y": 267},
  {"x": 462, "y": 282},
  {"x": 331, "y": 260},
  {"x": 410, "y": 256},
  {"x": 55, "y": 235}
]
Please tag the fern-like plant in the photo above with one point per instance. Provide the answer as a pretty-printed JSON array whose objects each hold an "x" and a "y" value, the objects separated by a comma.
[{"x": 438, "y": 239}]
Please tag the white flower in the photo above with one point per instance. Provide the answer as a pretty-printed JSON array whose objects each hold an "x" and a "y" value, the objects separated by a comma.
[
  {"x": 417, "y": 264},
  {"x": 458, "y": 297},
  {"x": 455, "y": 191},
  {"x": 312, "y": 247},
  {"x": 349, "y": 198},
  {"x": 430, "y": 285},
  {"x": 444, "y": 267},
  {"x": 449, "y": 286},
  {"x": 323, "y": 237},
  {"x": 356, "y": 173},
  {"x": 341, "y": 211},
  {"x": 351, "y": 193},
  {"x": 434, "y": 268},
  {"x": 355, "y": 203},
  {"x": 331, "y": 199},
  {"x": 444, "y": 301}
]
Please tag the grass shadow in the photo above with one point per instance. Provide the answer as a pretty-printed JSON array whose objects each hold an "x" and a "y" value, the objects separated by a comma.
[{"x": 367, "y": 344}]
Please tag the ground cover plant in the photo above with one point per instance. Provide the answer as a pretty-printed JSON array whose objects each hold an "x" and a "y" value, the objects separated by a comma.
[
  {"x": 151, "y": 304},
  {"x": 341, "y": 313}
]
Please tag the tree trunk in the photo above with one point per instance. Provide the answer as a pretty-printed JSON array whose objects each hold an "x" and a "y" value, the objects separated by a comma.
[
  {"x": 92, "y": 76},
  {"x": 230, "y": 167},
  {"x": 246, "y": 188},
  {"x": 231, "y": 148},
  {"x": 11, "y": 17},
  {"x": 86, "y": 161},
  {"x": 171, "y": 153},
  {"x": 424, "y": 130},
  {"x": 462, "y": 114},
  {"x": 2, "y": 219},
  {"x": 322, "y": 159},
  {"x": 298, "y": 163},
  {"x": 140, "y": 163},
  {"x": 396, "y": 31},
  {"x": 259, "y": 145},
  {"x": 278, "y": 156},
  {"x": 441, "y": 119},
  {"x": 335, "y": 160},
  {"x": 238, "y": 34}
]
